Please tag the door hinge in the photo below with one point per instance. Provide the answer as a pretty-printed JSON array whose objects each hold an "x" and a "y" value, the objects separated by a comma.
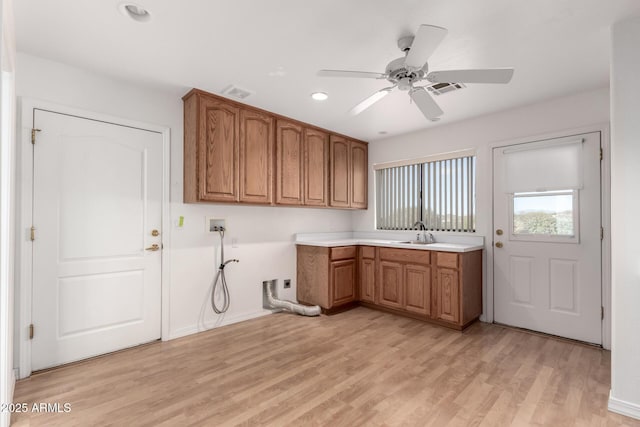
[
  {"x": 33, "y": 233},
  {"x": 601, "y": 233},
  {"x": 601, "y": 312},
  {"x": 601, "y": 153},
  {"x": 33, "y": 135},
  {"x": 31, "y": 328}
]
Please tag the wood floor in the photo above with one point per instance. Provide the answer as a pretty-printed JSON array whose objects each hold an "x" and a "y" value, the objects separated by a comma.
[{"x": 361, "y": 367}]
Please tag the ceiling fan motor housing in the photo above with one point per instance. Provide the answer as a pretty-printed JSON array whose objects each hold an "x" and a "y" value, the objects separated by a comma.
[{"x": 401, "y": 76}]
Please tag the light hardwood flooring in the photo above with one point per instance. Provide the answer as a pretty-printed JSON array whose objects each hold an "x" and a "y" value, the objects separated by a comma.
[{"x": 360, "y": 367}]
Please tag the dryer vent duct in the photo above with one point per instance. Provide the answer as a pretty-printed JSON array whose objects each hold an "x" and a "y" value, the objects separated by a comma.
[{"x": 270, "y": 302}]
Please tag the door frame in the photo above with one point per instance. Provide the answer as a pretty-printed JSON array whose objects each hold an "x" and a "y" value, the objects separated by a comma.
[
  {"x": 605, "y": 214},
  {"x": 24, "y": 204}
]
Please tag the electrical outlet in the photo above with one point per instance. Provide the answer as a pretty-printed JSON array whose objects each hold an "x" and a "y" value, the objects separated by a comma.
[{"x": 287, "y": 283}]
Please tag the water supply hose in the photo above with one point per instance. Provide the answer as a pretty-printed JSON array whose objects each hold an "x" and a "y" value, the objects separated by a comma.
[{"x": 220, "y": 278}]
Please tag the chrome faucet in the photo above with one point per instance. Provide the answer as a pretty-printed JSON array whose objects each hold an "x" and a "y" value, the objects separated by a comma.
[
  {"x": 422, "y": 226},
  {"x": 431, "y": 238}
]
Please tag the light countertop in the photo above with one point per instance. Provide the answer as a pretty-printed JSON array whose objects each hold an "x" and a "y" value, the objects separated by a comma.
[{"x": 443, "y": 247}]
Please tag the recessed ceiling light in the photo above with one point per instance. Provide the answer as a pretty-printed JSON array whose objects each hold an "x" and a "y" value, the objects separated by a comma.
[
  {"x": 319, "y": 96},
  {"x": 135, "y": 12}
]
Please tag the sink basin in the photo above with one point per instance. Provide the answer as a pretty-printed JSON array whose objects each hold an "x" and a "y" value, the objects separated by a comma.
[{"x": 416, "y": 242}]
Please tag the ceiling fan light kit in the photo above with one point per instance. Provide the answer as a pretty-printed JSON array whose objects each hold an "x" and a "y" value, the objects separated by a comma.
[{"x": 406, "y": 71}]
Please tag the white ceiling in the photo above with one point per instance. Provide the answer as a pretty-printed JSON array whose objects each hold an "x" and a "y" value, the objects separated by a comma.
[{"x": 275, "y": 47}]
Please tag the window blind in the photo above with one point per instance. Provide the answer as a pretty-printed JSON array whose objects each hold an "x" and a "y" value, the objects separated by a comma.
[{"x": 440, "y": 193}]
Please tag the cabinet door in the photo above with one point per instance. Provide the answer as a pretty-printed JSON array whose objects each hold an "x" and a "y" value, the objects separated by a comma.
[
  {"x": 359, "y": 175},
  {"x": 218, "y": 151},
  {"x": 256, "y": 157},
  {"x": 447, "y": 301},
  {"x": 289, "y": 163},
  {"x": 390, "y": 284},
  {"x": 417, "y": 288},
  {"x": 367, "y": 279},
  {"x": 343, "y": 281},
  {"x": 316, "y": 167},
  {"x": 340, "y": 166}
]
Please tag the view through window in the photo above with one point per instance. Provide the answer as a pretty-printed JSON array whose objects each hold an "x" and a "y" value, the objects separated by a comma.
[{"x": 440, "y": 193}]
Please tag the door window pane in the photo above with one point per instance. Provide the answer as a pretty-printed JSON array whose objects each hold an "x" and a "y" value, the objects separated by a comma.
[{"x": 544, "y": 214}]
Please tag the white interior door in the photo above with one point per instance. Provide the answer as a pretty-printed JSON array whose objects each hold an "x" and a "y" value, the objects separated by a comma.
[
  {"x": 547, "y": 237},
  {"x": 97, "y": 195}
]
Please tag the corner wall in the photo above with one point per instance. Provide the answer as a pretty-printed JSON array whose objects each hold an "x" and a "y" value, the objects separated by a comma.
[
  {"x": 263, "y": 235},
  {"x": 625, "y": 206}
]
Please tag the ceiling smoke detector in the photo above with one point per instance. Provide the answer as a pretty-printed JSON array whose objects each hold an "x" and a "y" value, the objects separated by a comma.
[{"x": 135, "y": 12}]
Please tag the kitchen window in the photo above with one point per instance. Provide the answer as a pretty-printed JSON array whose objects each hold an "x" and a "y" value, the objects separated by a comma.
[{"x": 440, "y": 191}]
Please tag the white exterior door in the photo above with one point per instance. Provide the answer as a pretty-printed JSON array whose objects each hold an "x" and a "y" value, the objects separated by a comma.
[
  {"x": 547, "y": 237},
  {"x": 97, "y": 196}
]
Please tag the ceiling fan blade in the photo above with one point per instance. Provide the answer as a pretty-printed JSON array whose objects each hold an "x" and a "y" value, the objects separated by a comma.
[
  {"x": 344, "y": 73},
  {"x": 495, "y": 75},
  {"x": 427, "y": 39},
  {"x": 368, "y": 102},
  {"x": 426, "y": 103}
]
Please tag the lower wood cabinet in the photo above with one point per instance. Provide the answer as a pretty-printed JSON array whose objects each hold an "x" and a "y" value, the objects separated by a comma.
[
  {"x": 343, "y": 281},
  {"x": 367, "y": 273},
  {"x": 327, "y": 276},
  {"x": 417, "y": 289},
  {"x": 441, "y": 287},
  {"x": 390, "y": 287},
  {"x": 458, "y": 288},
  {"x": 405, "y": 280},
  {"x": 446, "y": 293}
]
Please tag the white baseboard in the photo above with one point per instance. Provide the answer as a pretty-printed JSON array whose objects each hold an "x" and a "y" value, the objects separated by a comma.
[
  {"x": 200, "y": 327},
  {"x": 623, "y": 407}
]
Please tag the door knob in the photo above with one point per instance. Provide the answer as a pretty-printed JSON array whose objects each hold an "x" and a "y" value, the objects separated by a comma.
[
  {"x": 155, "y": 233},
  {"x": 154, "y": 247},
  {"x": 499, "y": 244},
  {"x": 499, "y": 232}
]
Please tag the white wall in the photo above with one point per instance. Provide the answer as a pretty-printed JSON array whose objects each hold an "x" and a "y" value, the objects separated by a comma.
[
  {"x": 264, "y": 235},
  {"x": 625, "y": 206},
  {"x": 571, "y": 112},
  {"x": 7, "y": 188}
]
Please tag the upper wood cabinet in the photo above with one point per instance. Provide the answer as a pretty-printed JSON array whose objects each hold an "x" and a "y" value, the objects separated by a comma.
[
  {"x": 349, "y": 173},
  {"x": 316, "y": 167},
  {"x": 289, "y": 163},
  {"x": 302, "y": 165},
  {"x": 235, "y": 153},
  {"x": 256, "y": 157},
  {"x": 211, "y": 150},
  {"x": 359, "y": 174},
  {"x": 340, "y": 172}
]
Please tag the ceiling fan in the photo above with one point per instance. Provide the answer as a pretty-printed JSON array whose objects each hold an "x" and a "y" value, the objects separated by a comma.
[{"x": 405, "y": 71}]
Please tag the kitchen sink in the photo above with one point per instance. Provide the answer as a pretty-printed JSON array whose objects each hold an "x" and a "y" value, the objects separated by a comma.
[{"x": 416, "y": 242}]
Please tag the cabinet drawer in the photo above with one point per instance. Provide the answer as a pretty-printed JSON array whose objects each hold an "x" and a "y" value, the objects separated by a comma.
[
  {"x": 447, "y": 259},
  {"x": 416, "y": 256},
  {"x": 368, "y": 252},
  {"x": 343, "y": 252}
]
